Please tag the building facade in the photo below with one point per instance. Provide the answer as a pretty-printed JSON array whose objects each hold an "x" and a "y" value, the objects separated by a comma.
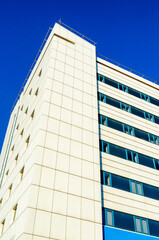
[{"x": 80, "y": 158}]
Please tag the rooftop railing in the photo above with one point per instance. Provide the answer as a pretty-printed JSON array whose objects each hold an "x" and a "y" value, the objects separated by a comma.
[{"x": 128, "y": 69}]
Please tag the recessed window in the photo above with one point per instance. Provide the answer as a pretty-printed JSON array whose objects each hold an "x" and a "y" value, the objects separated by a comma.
[
  {"x": 39, "y": 75},
  {"x": 12, "y": 149},
  {"x": 2, "y": 226},
  {"x": 22, "y": 132},
  {"x": 136, "y": 187},
  {"x": 14, "y": 212},
  {"x": 36, "y": 93},
  {"x": 141, "y": 225},
  {"x": 21, "y": 108},
  {"x": 17, "y": 127},
  {"x": 21, "y": 174},
  {"x": 7, "y": 173},
  {"x": 1, "y": 202},
  {"x": 27, "y": 141},
  {"x": 32, "y": 115},
  {"x": 26, "y": 111},
  {"x": 16, "y": 158},
  {"x": 10, "y": 190},
  {"x": 30, "y": 91}
]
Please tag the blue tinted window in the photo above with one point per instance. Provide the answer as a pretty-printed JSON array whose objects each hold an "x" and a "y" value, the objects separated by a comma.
[
  {"x": 134, "y": 92},
  {"x": 154, "y": 101},
  {"x": 117, "y": 151},
  {"x": 141, "y": 134},
  {"x": 151, "y": 192},
  {"x": 137, "y": 112},
  {"x": 111, "y": 82},
  {"x": 154, "y": 227},
  {"x": 113, "y": 102},
  {"x": 114, "y": 124},
  {"x": 120, "y": 183},
  {"x": 156, "y": 119},
  {"x": 145, "y": 160},
  {"x": 124, "y": 221}
]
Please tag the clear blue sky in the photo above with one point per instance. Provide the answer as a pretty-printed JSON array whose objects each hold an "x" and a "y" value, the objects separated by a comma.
[{"x": 126, "y": 31}]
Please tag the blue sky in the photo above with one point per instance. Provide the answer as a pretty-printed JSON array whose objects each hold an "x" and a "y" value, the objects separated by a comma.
[{"x": 126, "y": 31}]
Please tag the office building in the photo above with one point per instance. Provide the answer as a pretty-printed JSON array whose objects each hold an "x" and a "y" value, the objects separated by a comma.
[{"x": 80, "y": 158}]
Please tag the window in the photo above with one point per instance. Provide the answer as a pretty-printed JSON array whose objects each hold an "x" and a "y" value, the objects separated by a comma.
[
  {"x": 2, "y": 226},
  {"x": 156, "y": 163},
  {"x": 27, "y": 141},
  {"x": 125, "y": 107},
  {"x": 12, "y": 149},
  {"x": 115, "y": 124},
  {"x": 106, "y": 179},
  {"x": 110, "y": 82},
  {"x": 113, "y": 102},
  {"x": 129, "y": 130},
  {"x": 10, "y": 190},
  {"x": 7, "y": 173},
  {"x": 127, "y": 89},
  {"x": 30, "y": 91},
  {"x": 149, "y": 117},
  {"x": 117, "y": 151},
  {"x": 17, "y": 127},
  {"x": 104, "y": 147},
  {"x": 26, "y": 111},
  {"x": 120, "y": 182},
  {"x": 32, "y": 115},
  {"x": 0, "y": 202},
  {"x": 123, "y": 221},
  {"x": 36, "y": 93},
  {"x": 14, "y": 212},
  {"x": 16, "y": 159},
  {"x": 21, "y": 174},
  {"x": 134, "y": 92},
  {"x": 22, "y": 132},
  {"x": 21, "y": 108},
  {"x": 151, "y": 191},
  {"x": 136, "y": 187},
  {"x": 145, "y": 160},
  {"x": 154, "y": 101},
  {"x": 141, "y": 225},
  {"x": 39, "y": 75},
  {"x": 154, "y": 227},
  {"x": 141, "y": 134},
  {"x": 108, "y": 217},
  {"x": 137, "y": 112}
]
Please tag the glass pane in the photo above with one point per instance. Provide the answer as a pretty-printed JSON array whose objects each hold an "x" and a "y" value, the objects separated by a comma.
[
  {"x": 115, "y": 124},
  {"x": 120, "y": 183},
  {"x": 106, "y": 179},
  {"x": 150, "y": 191},
  {"x": 156, "y": 119},
  {"x": 105, "y": 147},
  {"x": 140, "y": 134},
  {"x": 154, "y": 101},
  {"x": 124, "y": 221},
  {"x": 103, "y": 120},
  {"x": 135, "y": 158},
  {"x": 137, "y": 112},
  {"x": 129, "y": 155},
  {"x": 117, "y": 151},
  {"x": 101, "y": 78},
  {"x": 111, "y": 82},
  {"x": 131, "y": 131},
  {"x": 134, "y": 92},
  {"x": 133, "y": 187},
  {"x": 102, "y": 98},
  {"x": 126, "y": 129},
  {"x": 109, "y": 218},
  {"x": 138, "y": 224},
  {"x": 154, "y": 228},
  {"x": 146, "y": 161},
  {"x": 120, "y": 86},
  {"x": 157, "y": 164},
  {"x": 139, "y": 189},
  {"x": 113, "y": 102},
  {"x": 151, "y": 138},
  {"x": 144, "y": 226}
]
